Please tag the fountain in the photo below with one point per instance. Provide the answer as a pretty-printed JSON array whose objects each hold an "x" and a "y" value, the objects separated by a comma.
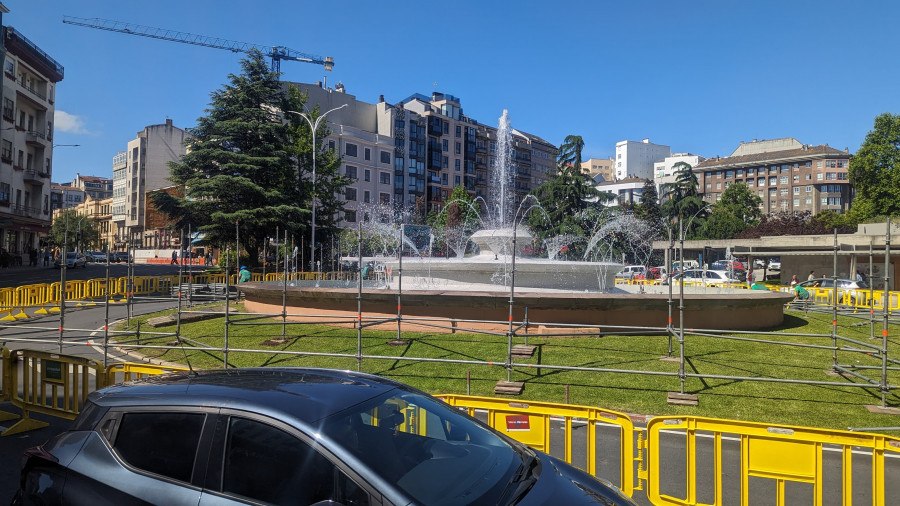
[{"x": 485, "y": 286}]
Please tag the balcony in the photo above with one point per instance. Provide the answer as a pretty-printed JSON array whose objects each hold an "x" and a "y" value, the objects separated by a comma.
[
  {"x": 33, "y": 177},
  {"x": 20, "y": 210},
  {"x": 36, "y": 139}
]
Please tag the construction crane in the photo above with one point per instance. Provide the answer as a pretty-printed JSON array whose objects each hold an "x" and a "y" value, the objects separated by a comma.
[{"x": 277, "y": 53}]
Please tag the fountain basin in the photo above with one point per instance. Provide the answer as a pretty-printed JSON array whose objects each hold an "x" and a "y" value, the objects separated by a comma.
[{"x": 749, "y": 310}]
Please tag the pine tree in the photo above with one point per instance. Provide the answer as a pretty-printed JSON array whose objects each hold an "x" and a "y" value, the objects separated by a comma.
[{"x": 239, "y": 170}]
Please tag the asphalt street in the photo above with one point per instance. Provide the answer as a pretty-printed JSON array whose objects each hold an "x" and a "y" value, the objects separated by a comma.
[{"x": 18, "y": 276}]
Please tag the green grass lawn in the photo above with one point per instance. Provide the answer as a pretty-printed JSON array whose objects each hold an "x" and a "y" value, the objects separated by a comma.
[{"x": 836, "y": 407}]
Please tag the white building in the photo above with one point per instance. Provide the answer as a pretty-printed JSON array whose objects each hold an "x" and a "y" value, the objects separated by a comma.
[
  {"x": 144, "y": 168},
  {"x": 664, "y": 171},
  {"x": 27, "y": 96},
  {"x": 636, "y": 159},
  {"x": 624, "y": 191}
]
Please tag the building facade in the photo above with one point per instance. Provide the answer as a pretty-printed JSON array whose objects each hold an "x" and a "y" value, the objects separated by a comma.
[
  {"x": 417, "y": 151},
  {"x": 625, "y": 191},
  {"x": 143, "y": 168},
  {"x": 97, "y": 188},
  {"x": 664, "y": 171},
  {"x": 636, "y": 159},
  {"x": 787, "y": 175},
  {"x": 26, "y": 140},
  {"x": 603, "y": 167}
]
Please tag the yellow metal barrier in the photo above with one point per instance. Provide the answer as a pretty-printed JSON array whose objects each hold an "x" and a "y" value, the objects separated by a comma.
[
  {"x": 121, "y": 372},
  {"x": 782, "y": 453},
  {"x": 51, "y": 384},
  {"x": 529, "y": 423}
]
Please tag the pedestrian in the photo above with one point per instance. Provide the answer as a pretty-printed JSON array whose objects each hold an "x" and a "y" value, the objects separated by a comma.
[
  {"x": 208, "y": 260},
  {"x": 812, "y": 276},
  {"x": 244, "y": 275},
  {"x": 46, "y": 257},
  {"x": 794, "y": 281},
  {"x": 859, "y": 276},
  {"x": 32, "y": 257},
  {"x": 174, "y": 257},
  {"x": 750, "y": 278}
]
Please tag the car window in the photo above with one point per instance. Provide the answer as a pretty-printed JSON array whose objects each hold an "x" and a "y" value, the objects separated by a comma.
[
  {"x": 267, "y": 464},
  {"x": 160, "y": 443}
]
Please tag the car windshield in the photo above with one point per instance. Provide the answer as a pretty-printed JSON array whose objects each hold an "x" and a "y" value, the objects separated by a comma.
[{"x": 427, "y": 449}]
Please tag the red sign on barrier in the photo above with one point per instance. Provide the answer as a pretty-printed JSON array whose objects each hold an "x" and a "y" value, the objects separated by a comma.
[{"x": 517, "y": 423}]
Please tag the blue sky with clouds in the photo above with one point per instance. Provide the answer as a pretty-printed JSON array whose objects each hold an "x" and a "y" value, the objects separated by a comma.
[{"x": 699, "y": 76}]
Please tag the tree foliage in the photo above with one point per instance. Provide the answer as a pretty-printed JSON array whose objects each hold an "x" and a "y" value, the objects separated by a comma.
[
  {"x": 875, "y": 170},
  {"x": 683, "y": 200},
  {"x": 71, "y": 230},
  {"x": 567, "y": 198},
  {"x": 648, "y": 209},
  {"x": 737, "y": 210},
  {"x": 804, "y": 223},
  {"x": 241, "y": 174}
]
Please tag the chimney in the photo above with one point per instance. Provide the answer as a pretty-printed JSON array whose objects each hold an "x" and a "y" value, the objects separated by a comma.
[
  {"x": 380, "y": 99},
  {"x": 646, "y": 140}
]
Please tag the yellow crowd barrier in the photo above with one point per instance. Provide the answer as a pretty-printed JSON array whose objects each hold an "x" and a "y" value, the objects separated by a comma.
[
  {"x": 780, "y": 453},
  {"x": 51, "y": 384},
  {"x": 529, "y": 423},
  {"x": 121, "y": 372}
]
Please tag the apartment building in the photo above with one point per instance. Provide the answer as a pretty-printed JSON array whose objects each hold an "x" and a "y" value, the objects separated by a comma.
[
  {"x": 99, "y": 211},
  {"x": 64, "y": 196},
  {"x": 420, "y": 148},
  {"x": 603, "y": 167},
  {"x": 624, "y": 191},
  {"x": 27, "y": 96},
  {"x": 636, "y": 159},
  {"x": 143, "y": 168},
  {"x": 96, "y": 187},
  {"x": 787, "y": 175}
]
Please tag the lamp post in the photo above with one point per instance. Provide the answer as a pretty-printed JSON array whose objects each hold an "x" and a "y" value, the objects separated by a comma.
[{"x": 314, "y": 125}]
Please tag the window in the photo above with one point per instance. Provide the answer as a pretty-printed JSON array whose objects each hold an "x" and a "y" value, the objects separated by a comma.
[
  {"x": 444, "y": 178},
  {"x": 456, "y": 164},
  {"x": 458, "y": 148},
  {"x": 350, "y": 216},
  {"x": 384, "y": 177},
  {"x": 384, "y": 198},
  {"x": 784, "y": 191},
  {"x": 740, "y": 172},
  {"x": 750, "y": 182},
  {"x": 796, "y": 190},
  {"x": 761, "y": 181},
  {"x": 444, "y": 145},
  {"x": 4, "y": 192},
  {"x": 8, "y": 109},
  {"x": 808, "y": 177},
  {"x": 709, "y": 186},
  {"x": 831, "y": 176},
  {"x": 350, "y": 149},
  {"x": 331, "y": 145},
  {"x": 750, "y": 172},
  {"x": 456, "y": 180},
  {"x": 350, "y": 172},
  {"x": 350, "y": 194},
  {"x": 718, "y": 185},
  {"x": 796, "y": 178},
  {"x": 729, "y": 173},
  {"x": 819, "y": 164},
  {"x": 819, "y": 176},
  {"x": 773, "y": 181},
  {"x": 809, "y": 200},
  {"x": 783, "y": 179},
  {"x": 255, "y": 458},
  {"x": 367, "y": 175},
  {"x": 367, "y": 154},
  {"x": 445, "y": 162},
  {"x": 808, "y": 163},
  {"x": 366, "y": 196},
  {"x": 796, "y": 202},
  {"x": 385, "y": 157},
  {"x": 6, "y": 151},
  {"x": 458, "y": 130},
  {"x": 160, "y": 443},
  {"x": 809, "y": 189}
]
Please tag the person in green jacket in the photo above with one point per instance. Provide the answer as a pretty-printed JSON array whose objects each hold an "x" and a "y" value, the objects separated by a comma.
[{"x": 244, "y": 275}]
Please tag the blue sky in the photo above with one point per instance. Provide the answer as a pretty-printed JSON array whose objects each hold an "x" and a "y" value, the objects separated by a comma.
[{"x": 699, "y": 76}]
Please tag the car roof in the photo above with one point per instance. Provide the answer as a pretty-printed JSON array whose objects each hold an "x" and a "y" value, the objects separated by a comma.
[{"x": 307, "y": 394}]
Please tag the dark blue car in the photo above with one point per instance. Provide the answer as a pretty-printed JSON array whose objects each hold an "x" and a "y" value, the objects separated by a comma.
[{"x": 290, "y": 436}]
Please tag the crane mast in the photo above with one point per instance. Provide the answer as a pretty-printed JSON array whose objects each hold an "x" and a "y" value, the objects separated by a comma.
[{"x": 277, "y": 53}]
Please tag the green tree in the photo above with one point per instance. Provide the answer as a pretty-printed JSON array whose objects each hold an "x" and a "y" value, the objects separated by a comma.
[
  {"x": 875, "y": 170},
  {"x": 648, "y": 209},
  {"x": 568, "y": 198},
  {"x": 683, "y": 200},
  {"x": 737, "y": 210},
  {"x": 78, "y": 230},
  {"x": 239, "y": 169}
]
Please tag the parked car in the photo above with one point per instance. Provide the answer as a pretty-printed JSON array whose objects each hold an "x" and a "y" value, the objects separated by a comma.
[
  {"x": 734, "y": 268},
  {"x": 290, "y": 436},
  {"x": 706, "y": 276},
  {"x": 96, "y": 256},
  {"x": 632, "y": 272},
  {"x": 119, "y": 256},
  {"x": 73, "y": 261},
  {"x": 848, "y": 289}
]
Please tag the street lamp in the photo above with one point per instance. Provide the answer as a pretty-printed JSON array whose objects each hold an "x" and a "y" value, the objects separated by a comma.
[{"x": 314, "y": 125}]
